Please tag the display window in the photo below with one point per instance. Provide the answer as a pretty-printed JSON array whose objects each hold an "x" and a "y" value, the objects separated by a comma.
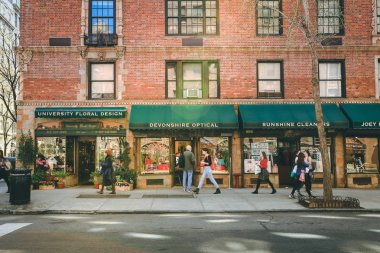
[
  {"x": 312, "y": 145},
  {"x": 103, "y": 143},
  {"x": 362, "y": 155},
  {"x": 51, "y": 154},
  {"x": 252, "y": 149},
  {"x": 219, "y": 151},
  {"x": 154, "y": 155}
]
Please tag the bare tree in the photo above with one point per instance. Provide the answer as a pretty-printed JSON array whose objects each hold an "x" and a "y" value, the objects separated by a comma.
[
  {"x": 302, "y": 21},
  {"x": 7, "y": 126}
]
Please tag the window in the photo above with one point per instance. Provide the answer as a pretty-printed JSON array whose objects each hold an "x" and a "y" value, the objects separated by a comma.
[
  {"x": 189, "y": 17},
  {"x": 154, "y": 155},
  {"x": 102, "y": 81},
  {"x": 269, "y": 21},
  {"x": 362, "y": 155},
  {"x": 270, "y": 79},
  {"x": 331, "y": 80},
  {"x": 252, "y": 149},
  {"x": 192, "y": 79},
  {"x": 330, "y": 17},
  {"x": 219, "y": 151},
  {"x": 102, "y": 23},
  {"x": 312, "y": 145},
  {"x": 52, "y": 154}
]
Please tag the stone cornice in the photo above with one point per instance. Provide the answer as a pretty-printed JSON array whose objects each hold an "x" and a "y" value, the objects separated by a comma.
[
  {"x": 87, "y": 103},
  {"x": 78, "y": 49}
]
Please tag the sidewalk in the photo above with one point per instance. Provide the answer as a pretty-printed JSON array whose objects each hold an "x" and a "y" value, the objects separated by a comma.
[{"x": 85, "y": 200}]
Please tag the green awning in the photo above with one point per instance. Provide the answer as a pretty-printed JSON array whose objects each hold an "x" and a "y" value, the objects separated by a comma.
[
  {"x": 363, "y": 116},
  {"x": 289, "y": 116},
  {"x": 80, "y": 112},
  {"x": 176, "y": 117}
]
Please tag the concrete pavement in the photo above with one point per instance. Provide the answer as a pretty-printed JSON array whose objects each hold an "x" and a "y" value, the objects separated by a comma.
[{"x": 86, "y": 200}]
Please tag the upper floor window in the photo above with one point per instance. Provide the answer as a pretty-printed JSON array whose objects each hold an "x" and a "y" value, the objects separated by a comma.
[
  {"x": 102, "y": 23},
  {"x": 378, "y": 15},
  {"x": 330, "y": 17},
  {"x": 192, "y": 79},
  {"x": 268, "y": 14},
  {"x": 189, "y": 17},
  {"x": 270, "y": 79},
  {"x": 102, "y": 81},
  {"x": 331, "y": 78}
]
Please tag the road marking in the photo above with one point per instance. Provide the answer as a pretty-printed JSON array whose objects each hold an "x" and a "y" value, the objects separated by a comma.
[{"x": 10, "y": 227}]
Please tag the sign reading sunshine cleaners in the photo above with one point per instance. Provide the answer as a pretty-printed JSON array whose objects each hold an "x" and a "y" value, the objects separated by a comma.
[{"x": 81, "y": 112}]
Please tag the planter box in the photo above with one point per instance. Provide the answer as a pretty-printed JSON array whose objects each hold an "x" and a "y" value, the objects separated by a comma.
[
  {"x": 46, "y": 187},
  {"x": 362, "y": 181},
  {"x": 124, "y": 188}
]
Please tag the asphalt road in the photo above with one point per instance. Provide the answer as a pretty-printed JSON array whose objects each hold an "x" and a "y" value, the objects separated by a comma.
[{"x": 179, "y": 233}]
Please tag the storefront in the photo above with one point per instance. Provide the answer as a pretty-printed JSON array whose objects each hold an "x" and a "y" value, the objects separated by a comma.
[
  {"x": 362, "y": 145},
  {"x": 74, "y": 139},
  {"x": 281, "y": 130},
  {"x": 162, "y": 132}
]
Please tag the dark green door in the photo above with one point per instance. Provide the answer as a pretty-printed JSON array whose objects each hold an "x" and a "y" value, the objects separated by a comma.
[{"x": 86, "y": 158}]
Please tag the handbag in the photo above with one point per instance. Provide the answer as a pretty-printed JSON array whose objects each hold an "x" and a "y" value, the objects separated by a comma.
[{"x": 293, "y": 174}]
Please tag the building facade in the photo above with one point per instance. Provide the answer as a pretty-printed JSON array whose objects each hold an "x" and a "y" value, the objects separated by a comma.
[
  {"x": 217, "y": 74},
  {"x": 9, "y": 34}
]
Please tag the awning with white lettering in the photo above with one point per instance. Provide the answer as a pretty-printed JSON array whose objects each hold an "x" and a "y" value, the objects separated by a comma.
[
  {"x": 363, "y": 116},
  {"x": 179, "y": 117},
  {"x": 289, "y": 116},
  {"x": 80, "y": 112}
]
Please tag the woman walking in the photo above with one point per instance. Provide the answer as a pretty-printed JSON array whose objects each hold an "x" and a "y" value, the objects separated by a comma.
[
  {"x": 300, "y": 174},
  {"x": 107, "y": 172},
  {"x": 207, "y": 161},
  {"x": 309, "y": 173},
  {"x": 264, "y": 175}
]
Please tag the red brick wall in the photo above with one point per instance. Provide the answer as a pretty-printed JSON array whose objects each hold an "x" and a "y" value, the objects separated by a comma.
[
  {"x": 41, "y": 20},
  {"x": 52, "y": 76}
]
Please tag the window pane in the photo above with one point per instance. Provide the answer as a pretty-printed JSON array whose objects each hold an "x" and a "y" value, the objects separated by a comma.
[
  {"x": 269, "y": 86},
  {"x": 219, "y": 151},
  {"x": 330, "y": 88},
  {"x": 102, "y": 72},
  {"x": 252, "y": 149},
  {"x": 102, "y": 90},
  {"x": 212, "y": 89},
  {"x": 192, "y": 71},
  {"x": 172, "y": 89},
  {"x": 154, "y": 155},
  {"x": 269, "y": 71},
  {"x": 51, "y": 154},
  {"x": 362, "y": 155}
]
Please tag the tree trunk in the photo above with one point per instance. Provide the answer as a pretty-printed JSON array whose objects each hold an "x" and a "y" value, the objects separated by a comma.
[{"x": 327, "y": 184}]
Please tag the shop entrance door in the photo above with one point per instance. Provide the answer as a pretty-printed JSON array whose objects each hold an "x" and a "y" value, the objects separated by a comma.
[
  {"x": 86, "y": 158},
  {"x": 288, "y": 149},
  {"x": 179, "y": 148}
]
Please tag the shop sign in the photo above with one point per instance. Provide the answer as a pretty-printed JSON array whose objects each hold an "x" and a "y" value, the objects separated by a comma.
[
  {"x": 292, "y": 124},
  {"x": 367, "y": 124},
  {"x": 187, "y": 125},
  {"x": 100, "y": 132},
  {"x": 95, "y": 112},
  {"x": 81, "y": 125}
]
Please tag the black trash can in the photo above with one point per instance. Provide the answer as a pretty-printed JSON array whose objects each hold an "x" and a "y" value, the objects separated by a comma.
[{"x": 19, "y": 184}]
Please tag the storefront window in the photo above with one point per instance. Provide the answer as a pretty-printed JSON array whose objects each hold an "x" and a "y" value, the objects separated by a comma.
[
  {"x": 104, "y": 143},
  {"x": 312, "y": 145},
  {"x": 154, "y": 155},
  {"x": 51, "y": 153},
  {"x": 252, "y": 149},
  {"x": 219, "y": 151},
  {"x": 362, "y": 155}
]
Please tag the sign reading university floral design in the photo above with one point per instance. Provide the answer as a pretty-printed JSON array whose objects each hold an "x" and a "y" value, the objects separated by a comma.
[{"x": 81, "y": 112}]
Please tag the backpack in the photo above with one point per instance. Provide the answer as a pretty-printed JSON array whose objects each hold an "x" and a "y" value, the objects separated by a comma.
[{"x": 181, "y": 161}]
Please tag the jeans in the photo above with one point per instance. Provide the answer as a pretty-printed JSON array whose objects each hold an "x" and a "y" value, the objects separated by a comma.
[
  {"x": 189, "y": 175},
  {"x": 207, "y": 172}
]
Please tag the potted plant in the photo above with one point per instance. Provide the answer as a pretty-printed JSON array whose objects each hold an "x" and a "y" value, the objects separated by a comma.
[
  {"x": 60, "y": 175},
  {"x": 26, "y": 150},
  {"x": 37, "y": 177},
  {"x": 96, "y": 178},
  {"x": 47, "y": 185}
]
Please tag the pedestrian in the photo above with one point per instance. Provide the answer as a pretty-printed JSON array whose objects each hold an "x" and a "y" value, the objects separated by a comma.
[
  {"x": 107, "y": 172},
  {"x": 207, "y": 162},
  {"x": 188, "y": 168},
  {"x": 264, "y": 175},
  {"x": 4, "y": 169},
  {"x": 300, "y": 171},
  {"x": 309, "y": 173}
]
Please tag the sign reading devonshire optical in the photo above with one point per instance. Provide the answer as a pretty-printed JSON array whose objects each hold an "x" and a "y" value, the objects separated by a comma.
[
  {"x": 81, "y": 112},
  {"x": 188, "y": 125},
  {"x": 291, "y": 124}
]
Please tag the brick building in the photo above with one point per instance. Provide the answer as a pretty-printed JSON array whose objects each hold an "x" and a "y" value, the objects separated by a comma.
[{"x": 211, "y": 73}]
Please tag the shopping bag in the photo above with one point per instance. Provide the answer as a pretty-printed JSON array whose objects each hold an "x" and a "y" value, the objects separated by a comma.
[{"x": 257, "y": 169}]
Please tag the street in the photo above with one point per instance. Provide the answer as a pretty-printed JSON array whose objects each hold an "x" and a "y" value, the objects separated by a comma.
[{"x": 210, "y": 233}]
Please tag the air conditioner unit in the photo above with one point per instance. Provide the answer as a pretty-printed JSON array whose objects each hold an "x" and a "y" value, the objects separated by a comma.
[{"x": 193, "y": 93}]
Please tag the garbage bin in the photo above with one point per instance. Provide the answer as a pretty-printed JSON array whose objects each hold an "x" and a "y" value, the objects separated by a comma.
[{"x": 19, "y": 184}]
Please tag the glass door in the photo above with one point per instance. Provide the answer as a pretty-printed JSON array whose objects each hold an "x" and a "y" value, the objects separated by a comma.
[
  {"x": 179, "y": 148},
  {"x": 288, "y": 149},
  {"x": 86, "y": 158}
]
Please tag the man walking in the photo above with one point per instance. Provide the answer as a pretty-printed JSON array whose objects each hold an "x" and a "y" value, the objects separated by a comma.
[{"x": 188, "y": 169}]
